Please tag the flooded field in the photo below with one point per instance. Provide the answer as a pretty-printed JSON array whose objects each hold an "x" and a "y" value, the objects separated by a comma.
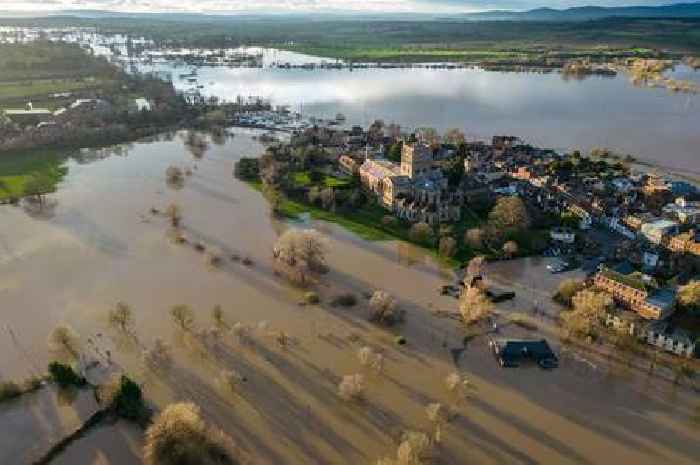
[
  {"x": 95, "y": 242},
  {"x": 547, "y": 110}
]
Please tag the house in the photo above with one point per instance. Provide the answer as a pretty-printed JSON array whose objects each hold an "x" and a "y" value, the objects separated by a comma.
[
  {"x": 664, "y": 335},
  {"x": 658, "y": 230},
  {"x": 635, "y": 293},
  {"x": 660, "y": 334},
  {"x": 585, "y": 218},
  {"x": 565, "y": 235},
  {"x": 138, "y": 105},
  {"x": 685, "y": 212},
  {"x": 622, "y": 185},
  {"x": 685, "y": 243},
  {"x": 29, "y": 115},
  {"x": 511, "y": 352},
  {"x": 616, "y": 225}
]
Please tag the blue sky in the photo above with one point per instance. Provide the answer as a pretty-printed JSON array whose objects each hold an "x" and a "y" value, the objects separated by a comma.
[{"x": 211, "y": 6}]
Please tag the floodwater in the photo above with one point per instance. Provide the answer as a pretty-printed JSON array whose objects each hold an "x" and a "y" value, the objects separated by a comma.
[
  {"x": 96, "y": 243},
  {"x": 543, "y": 109}
]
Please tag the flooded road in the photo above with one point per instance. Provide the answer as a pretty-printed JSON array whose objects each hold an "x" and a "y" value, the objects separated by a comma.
[{"x": 96, "y": 242}]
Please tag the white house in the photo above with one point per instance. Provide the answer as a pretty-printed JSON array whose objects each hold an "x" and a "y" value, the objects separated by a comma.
[{"x": 564, "y": 235}]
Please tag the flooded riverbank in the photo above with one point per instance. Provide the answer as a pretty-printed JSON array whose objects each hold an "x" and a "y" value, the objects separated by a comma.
[
  {"x": 96, "y": 243},
  {"x": 546, "y": 110}
]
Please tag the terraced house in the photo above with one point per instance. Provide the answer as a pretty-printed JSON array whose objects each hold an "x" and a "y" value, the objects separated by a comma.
[{"x": 633, "y": 292}]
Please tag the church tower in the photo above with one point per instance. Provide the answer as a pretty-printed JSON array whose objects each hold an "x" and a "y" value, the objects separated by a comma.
[{"x": 416, "y": 159}]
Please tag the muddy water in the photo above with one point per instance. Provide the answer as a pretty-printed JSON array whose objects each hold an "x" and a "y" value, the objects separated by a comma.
[{"x": 96, "y": 243}]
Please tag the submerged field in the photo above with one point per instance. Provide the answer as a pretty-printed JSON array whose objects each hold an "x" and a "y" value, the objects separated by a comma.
[
  {"x": 34, "y": 172},
  {"x": 96, "y": 242}
]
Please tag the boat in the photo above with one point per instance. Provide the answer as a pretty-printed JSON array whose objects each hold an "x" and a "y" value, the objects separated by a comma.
[{"x": 340, "y": 117}]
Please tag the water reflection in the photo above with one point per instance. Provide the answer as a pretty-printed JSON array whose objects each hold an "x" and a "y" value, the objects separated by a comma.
[
  {"x": 544, "y": 109},
  {"x": 40, "y": 206}
]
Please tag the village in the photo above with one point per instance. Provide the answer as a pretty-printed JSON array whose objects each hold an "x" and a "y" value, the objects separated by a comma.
[{"x": 632, "y": 234}]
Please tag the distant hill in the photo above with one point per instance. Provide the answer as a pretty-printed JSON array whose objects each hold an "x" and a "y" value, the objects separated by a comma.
[{"x": 586, "y": 13}]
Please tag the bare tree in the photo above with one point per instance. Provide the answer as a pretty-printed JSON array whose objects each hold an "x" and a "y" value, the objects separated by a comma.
[
  {"x": 383, "y": 308},
  {"x": 589, "y": 308},
  {"x": 183, "y": 316},
  {"x": 174, "y": 213},
  {"x": 121, "y": 317},
  {"x": 474, "y": 237},
  {"x": 508, "y": 215},
  {"x": 65, "y": 340},
  {"x": 476, "y": 265},
  {"x": 352, "y": 387},
  {"x": 474, "y": 305},
  {"x": 370, "y": 358},
  {"x": 217, "y": 314},
  {"x": 179, "y": 435},
  {"x": 301, "y": 254}
]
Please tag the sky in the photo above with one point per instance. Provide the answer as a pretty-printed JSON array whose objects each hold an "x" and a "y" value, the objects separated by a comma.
[{"x": 292, "y": 6}]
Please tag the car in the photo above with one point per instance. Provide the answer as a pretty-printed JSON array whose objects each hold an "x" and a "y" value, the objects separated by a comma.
[{"x": 558, "y": 266}]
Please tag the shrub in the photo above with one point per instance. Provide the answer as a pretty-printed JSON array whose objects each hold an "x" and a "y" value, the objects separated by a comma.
[
  {"x": 311, "y": 298},
  {"x": 474, "y": 238},
  {"x": 242, "y": 333},
  {"x": 9, "y": 390},
  {"x": 64, "y": 375},
  {"x": 510, "y": 249},
  {"x": 213, "y": 258},
  {"x": 352, "y": 387},
  {"x": 174, "y": 177},
  {"x": 179, "y": 436},
  {"x": 566, "y": 291},
  {"x": 388, "y": 220},
  {"x": 421, "y": 233},
  {"x": 63, "y": 339},
  {"x": 124, "y": 397},
  {"x": 447, "y": 247},
  {"x": 521, "y": 320},
  {"x": 344, "y": 300},
  {"x": 231, "y": 380}
]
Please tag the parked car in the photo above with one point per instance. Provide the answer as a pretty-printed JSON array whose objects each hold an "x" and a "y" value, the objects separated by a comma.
[{"x": 558, "y": 266}]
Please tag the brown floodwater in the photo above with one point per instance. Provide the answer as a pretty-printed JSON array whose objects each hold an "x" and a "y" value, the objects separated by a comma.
[{"x": 96, "y": 243}]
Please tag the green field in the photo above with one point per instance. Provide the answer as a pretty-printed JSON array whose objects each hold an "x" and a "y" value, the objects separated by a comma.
[
  {"x": 443, "y": 39},
  {"x": 32, "y": 72},
  {"x": 30, "y": 172}
]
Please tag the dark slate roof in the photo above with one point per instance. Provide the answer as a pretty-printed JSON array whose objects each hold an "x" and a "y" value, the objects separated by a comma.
[{"x": 513, "y": 349}]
